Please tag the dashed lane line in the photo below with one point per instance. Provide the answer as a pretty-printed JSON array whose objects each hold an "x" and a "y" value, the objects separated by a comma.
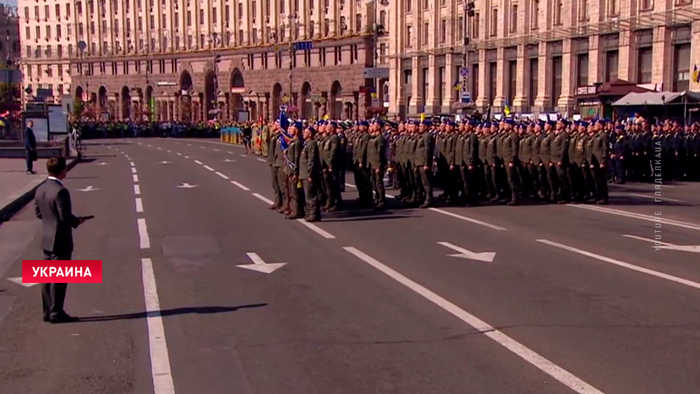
[
  {"x": 208, "y": 168},
  {"x": 132, "y": 164},
  {"x": 639, "y": 216},
  {"x": 262, "y": 160},
  {"x": 221, "y": 175},
  {"x": 137, "y": 190},
  {"x": 157, "y": 344},
  {"x": 139, "y": 205},
  {"x": 318, "y": 230},
  {"x": 133, "y": 170},
  {"x": 263, "y": 198},
  {"x": 198, "y": 162},
  {"x": 622, "y": 264},
  {"x": 136, "y": 178},
  {"x": 240, "y": 186},
  {"x": 144, "y": 240}
]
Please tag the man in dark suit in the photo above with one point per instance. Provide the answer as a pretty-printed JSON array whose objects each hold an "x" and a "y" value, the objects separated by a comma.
[
  {"x": 53, "y": 207},
  {"x": 30, "y": 147}
]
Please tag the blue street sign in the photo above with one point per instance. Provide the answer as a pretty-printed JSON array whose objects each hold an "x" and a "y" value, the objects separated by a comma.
[{"x": 303, "y": 46}]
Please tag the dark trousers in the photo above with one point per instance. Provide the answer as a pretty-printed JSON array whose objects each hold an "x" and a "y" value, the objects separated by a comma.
[
  {"x": 283, "y": 189},
  {"x": 378, "y": 185},
  {"x": 312, "y": 209},
  {"x": 29, "y": 157},
  {"x": 274, "y": 173},
  {"x": 53, "y": 295}
]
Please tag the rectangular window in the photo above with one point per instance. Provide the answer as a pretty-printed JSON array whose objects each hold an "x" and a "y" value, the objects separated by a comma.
[
  {"x": 556, "y": 79},
  {"x": 514, "y": 18},
  {"x": 644, "y": 65},
  {"x": 476, "y": 24},
  {"x": 443, "y": 30},
  {"x": 681, "y": 67},
  {"x": 494, "y": 22},
  {"x": 558, "y": 8},
  {"x": 512, "y": 81},
  {"x": 441, "y": 85},
  {"x": 583, "y": 11},
  {"x": 533, "y": 86},
  {"x": 426, "y": 34},
  {"x": 493, "y": 81},
  {"x": 475, "y": 81},
  {"x": 459, "y": 35},
  {"x": 535, "y": 16},
  {"x": 611, "y": 65},
  {"x": 582, "y": 70},
  {"x": 409, "y": 36},
  {"x": 409, "y": 5}
]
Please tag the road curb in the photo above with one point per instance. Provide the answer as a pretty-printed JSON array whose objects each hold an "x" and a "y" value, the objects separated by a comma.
[{"x": 20, "y": 202}]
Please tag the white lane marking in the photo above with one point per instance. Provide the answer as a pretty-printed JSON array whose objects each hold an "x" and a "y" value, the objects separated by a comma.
[
  {"x": 144, "y": 240},
  {"x": 137, "y": 190},
  {"x": 136, "y": 178},
  {"x": 189, "y": 144},
  {"x": 139, "y": 143},
  {"x": 198, "y": 162},
  {"x": 261, "y": 159},
  {"x": 179, "y": 154},
  {"x": 229, "y": 152},
  {"x": 351, "y": 185},
  {"x": 239, "y": 185},
  {"x": 263, "y": 198},
  {"x": 133, "y": 170},
  {"x": 209, "y": 168},
  {"x": 187, "y": 157},
  {"x": 242, "y": 155},
  {"x": 160, "y": 360},
  {"x": 622, "y": 264},
  {"x": 216, "y": 150},
  {"x": 560, "y": 374},
  {"x": 139, "y": 205},
  {"x": 468, "y": 219},
  {"x": 169, "y": 151},
  {"x": 132, "y": 164},
  {"x": 201, "y": 147},
  {"x": 651, "y": 196},
  {"x": 318, "y": 230},
  {"x": 658, "y": 245},
  {"x": 159, "y": 148},
  {"x": 647, "y": 240},
  {"x": 221, "y": 175},
  {"x": 148, "y": 146},
  {"x": 648, "y": 218}
]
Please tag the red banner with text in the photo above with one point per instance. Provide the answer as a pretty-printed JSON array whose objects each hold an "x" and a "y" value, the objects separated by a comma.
[{"x": 60, "y": 271}]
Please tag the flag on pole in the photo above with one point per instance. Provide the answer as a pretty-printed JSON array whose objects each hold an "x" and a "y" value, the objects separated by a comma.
[{"x": 506, "y": 109}]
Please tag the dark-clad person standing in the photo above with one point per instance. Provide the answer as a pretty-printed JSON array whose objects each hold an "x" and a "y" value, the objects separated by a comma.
[
  {"x": 423, "y": 160},
  {"x": 53, "y": 207},
  {"x": 377, "y": 161},
  {"x": 30, "y": 147},
  {"x": 310, "y": 174},
  {"x": 272, "y": 152}
]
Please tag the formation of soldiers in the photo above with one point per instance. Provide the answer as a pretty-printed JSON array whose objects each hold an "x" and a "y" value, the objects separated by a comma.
[{"x": 471, "y": 161}]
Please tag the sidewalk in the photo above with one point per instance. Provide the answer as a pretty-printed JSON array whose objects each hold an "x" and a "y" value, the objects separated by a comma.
[{"x": 17, "y": 187}]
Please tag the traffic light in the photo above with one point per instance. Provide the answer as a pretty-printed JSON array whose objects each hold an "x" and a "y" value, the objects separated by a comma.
[
  {"x": 469, "y": 8},
  {"x": 217, "y": 59}
]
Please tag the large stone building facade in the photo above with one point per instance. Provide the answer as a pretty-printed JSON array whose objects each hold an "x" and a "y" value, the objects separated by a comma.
[
  {"x": 535, "y": 55},
  {"x": 193, "y": 60}
]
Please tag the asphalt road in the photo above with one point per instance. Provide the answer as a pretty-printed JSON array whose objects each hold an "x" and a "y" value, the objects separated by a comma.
[{"x": 492, "y": 299}]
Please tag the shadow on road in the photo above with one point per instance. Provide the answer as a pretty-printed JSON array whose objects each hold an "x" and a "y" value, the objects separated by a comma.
[{"x": 201, "y": 310}]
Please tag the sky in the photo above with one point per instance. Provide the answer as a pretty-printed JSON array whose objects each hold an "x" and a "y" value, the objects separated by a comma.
[{"x": 12, "y": 3}]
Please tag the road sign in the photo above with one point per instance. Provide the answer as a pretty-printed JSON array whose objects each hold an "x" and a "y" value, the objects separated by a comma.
[
  {"x": 375, "y": 72},
  {"x": 464, "y": 72}
]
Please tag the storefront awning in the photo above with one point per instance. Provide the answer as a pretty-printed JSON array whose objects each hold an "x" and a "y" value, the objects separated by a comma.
[{"x": 656, "y": 98}]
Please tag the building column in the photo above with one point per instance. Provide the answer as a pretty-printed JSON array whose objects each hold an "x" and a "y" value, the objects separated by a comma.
[
  {"x": 595, "y": 60},
  {"x": 522, "y": 83},
  {"x": 431, "y": 104},
  {"x": 416, "y": 83},
  {"x": 566, "y": 100},
  {"x": 627, "y": 66},
  {"x": 663, "y": 51},
  {"x": 395, "y": 86},
  {"x": 448, "y": 97},
  {"x": 176, "y": 108},
  {"x": 483, "y": 100},
  {"x": 544, "y": 72},
  {"x": 500, "y": 99}
]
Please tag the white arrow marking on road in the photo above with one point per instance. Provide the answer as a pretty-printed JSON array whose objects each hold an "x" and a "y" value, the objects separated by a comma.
[
  {"x": 88, "y": 189},
  {"x": 486, "y": 257},
  {"x": 259, "y": 265},
  {"x": 186, "y": 186},
  {"x": 229, "y": 161},
  {"x": 164, "y": 162},
  {"x": 667, "y": 246},
  {"x": 19, "y": 282},
  {"x": 103, "y": 164}
]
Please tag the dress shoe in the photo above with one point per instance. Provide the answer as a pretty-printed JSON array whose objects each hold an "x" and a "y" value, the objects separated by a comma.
[{"x": 63, "y": 318}]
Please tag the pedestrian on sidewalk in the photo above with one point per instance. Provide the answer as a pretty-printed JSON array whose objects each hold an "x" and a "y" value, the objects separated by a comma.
[
  {"x": 30, "y": 147},
  {"x": 53, "y": 207}
]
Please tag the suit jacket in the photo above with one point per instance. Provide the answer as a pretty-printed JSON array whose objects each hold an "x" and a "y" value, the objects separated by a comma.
[
  {"x": 53, "y": 206},
  {"x": 29, "y": 139}
]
